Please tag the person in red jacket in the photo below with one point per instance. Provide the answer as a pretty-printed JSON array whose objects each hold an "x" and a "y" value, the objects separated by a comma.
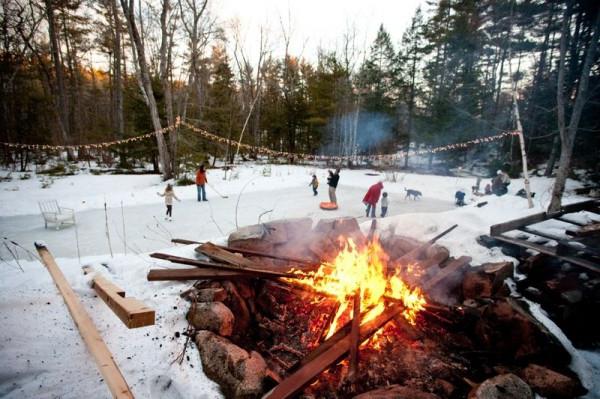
[
  {"x": 201, "y": 181},
  {"x": 372, "y": 197}
]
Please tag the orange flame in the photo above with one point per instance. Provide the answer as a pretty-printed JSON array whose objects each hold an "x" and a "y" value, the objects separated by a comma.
[{"x": 365, "y": 269}]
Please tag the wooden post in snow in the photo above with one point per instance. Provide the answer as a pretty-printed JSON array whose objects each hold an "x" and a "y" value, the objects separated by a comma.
[
  {"x": 92, "y": 338},
  {"x": 520, "y": 133}
]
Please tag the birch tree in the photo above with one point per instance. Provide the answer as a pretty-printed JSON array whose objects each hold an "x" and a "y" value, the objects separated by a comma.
[
  {"x": 568, "y": 133},
  {"x": 163, "y": 151}
]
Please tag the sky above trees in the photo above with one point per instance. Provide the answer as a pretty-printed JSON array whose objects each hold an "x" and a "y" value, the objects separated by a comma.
[{"x": 316, "y": 23}]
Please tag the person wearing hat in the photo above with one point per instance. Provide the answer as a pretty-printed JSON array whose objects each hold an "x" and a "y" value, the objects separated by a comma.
[{"x": 500, "y": 183}]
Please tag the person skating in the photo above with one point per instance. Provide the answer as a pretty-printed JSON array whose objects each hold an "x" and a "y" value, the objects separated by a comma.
[
  {"x": 201, "y": 181},
  {"x": 384, "y": 204},
  {"x": 169, "y": 194},
  {"x": 333, "y": 181},
  {"x": 372, "y": 197},
  {"x": 314, "y": 183}
]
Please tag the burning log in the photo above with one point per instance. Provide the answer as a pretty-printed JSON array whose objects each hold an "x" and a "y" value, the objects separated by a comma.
[
  {"x": 250, "y": 252},
  {"x": 239, "y": 267},
  {"x": 196, "y": 274},
  {"x": 234, "y": 261},
  {"x": 452, "y": 267},
  {"x": 415, "y": 253},
  {"x": 354, "y": 337},
  {"x": 305, "y": 374}
]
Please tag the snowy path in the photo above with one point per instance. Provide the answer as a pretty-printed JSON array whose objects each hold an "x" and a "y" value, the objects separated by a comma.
[{"x": 146, "y": 230}]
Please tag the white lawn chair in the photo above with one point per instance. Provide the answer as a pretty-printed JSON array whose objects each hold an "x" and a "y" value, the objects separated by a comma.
[{"x": 58, "y": 215}]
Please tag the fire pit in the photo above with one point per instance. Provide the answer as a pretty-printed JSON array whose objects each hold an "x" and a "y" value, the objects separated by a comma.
[{"x": 328, "y": 312}]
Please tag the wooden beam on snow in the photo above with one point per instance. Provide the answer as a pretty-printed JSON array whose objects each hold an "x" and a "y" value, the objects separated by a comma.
[
  {"x": 132, "y": 312},
  {"x": 585, "y": 231},
  {"x": 92, "y": 338},
  {"x": 550, "y": 251},
  {"x": 500, "y": 228}
]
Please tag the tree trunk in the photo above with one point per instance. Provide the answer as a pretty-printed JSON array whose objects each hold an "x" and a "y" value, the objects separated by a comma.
[
  {"x": 553, "y": 155},
  {"x": 166, "y": 46},
  {"x": 567, "y": 136},
  {"x": 163, "y": 151},
  {"x": 119, "y": 124},
  {"x": 63, "y": 119}
]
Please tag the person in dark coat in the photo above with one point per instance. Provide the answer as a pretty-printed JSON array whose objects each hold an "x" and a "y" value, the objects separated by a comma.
[
  {"x": 459, "y": 196},
  {"x": 333, "y": 181},
  {"x": 314, "y": 183},
  {"x": 372, "y": 197}
]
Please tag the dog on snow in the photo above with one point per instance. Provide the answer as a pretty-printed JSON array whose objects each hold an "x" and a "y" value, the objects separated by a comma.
[{"x": 412, "y": 193}]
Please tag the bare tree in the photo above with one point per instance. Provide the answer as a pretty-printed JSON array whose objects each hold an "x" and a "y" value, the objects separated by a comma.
[
  {"x": 168, "y": 23},
  {"x": 198, "y": 31},
  {"x": 250, "y": 83},
  {"x": 568, "y": 133},
  {"x": 163, "y": 151}
]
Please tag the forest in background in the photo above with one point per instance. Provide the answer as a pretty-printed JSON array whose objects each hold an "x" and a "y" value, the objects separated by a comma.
[{"x": 449, "y": 78}]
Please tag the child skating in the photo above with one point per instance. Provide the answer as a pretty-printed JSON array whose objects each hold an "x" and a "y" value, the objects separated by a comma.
[
  {"x": 384, "y": 204},
  {"x": 169, "y": 194},
  {"x": 314, "y": 183}
]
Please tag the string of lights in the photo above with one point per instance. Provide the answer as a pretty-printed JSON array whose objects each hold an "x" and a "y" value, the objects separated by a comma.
[{"x": 264, "y": 150}]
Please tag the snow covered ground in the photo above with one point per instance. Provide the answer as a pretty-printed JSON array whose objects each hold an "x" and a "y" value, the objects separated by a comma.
[{"x": 41, "y": 353}]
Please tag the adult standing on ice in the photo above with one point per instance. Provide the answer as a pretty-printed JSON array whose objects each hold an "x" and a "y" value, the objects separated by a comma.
[
  {"x": 169, "y": 194},
  {"x": 333, "y": 181},
  {"x": 372, "y": 197},
  {"x": 201, "y": 181}
]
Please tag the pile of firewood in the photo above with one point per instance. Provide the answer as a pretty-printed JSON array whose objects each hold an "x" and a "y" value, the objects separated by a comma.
[{"x": 259, "y": 334}]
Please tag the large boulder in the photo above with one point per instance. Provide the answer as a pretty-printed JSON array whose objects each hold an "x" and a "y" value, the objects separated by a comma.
[
  {"x": 239, "y": 373},
  {"x": 212, "y": 316},
  {"x": 210, "y": 295},
  {"x": 293, "y": 228},
  {"x": 504, "y": 386},
  {"x": 250, "y": 237},
  {"x": 340, "y": 228},
  {"x": 550, "y": 384},
  {"x": 396, "y": 392}
]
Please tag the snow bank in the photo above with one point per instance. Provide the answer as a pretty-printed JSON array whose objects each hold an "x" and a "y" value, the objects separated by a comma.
[{"x": 43, "y": 355}]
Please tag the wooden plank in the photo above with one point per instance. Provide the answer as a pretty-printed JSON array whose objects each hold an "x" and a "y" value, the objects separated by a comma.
[
  {"x": 452, "y": 267},
  {"x": 223, "y": 266},
  {"x": 354, "y": 337},
  {"x": 586, "y": 231},
  {"x": 298, "y": 380},
  {"x": 89, "y": 269},
  {"x": 132, "y": 312},
  {"x": 563, "y": 219},
  {"x": 500, "y": 228},
  {"x": 92, "y": 338},
  {"x": 564, "y": 244},
  {"x": 249, "y": 252},
  {"x": 194, "y": 274},
  {"x": 550, "y": 251},
  {"x": 221, "y": 255}
]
